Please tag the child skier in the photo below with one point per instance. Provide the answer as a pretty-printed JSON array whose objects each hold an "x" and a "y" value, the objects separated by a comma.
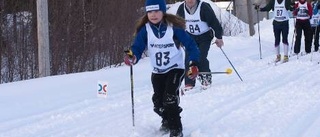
[{"x": 160, "y": 33}]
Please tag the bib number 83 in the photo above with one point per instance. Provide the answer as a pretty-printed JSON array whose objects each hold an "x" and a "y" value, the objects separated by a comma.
[{"x": 162, "y": 58}]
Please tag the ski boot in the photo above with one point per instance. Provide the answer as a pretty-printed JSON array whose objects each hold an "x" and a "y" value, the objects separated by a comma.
[
  {"x": 278, "y": 58},
  {"x": 188, "y": 87},
  {"x": 285, "y": 59},
  {"x": 205, "y": 81},
  {"x": 176, "y": 133},
  {"x": 164, "y": 128}
]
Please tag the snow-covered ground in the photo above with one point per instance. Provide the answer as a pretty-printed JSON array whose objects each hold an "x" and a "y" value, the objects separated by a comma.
[{"x": 272, "y": 101}]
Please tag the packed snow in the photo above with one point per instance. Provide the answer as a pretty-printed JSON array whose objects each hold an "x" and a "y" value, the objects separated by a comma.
[{"x": 280, "y": 100}]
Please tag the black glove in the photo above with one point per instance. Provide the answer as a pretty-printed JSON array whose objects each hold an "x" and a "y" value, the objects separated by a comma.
[{"x": 257, "y": 7}]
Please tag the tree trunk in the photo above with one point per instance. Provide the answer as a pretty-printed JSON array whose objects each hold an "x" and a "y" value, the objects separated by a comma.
[{"x": 43, "y": 38}]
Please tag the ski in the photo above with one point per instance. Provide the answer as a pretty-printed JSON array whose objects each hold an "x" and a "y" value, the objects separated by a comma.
[
  {"x": 159, "y": 133},
  {"x": 275, "y": 63},
  {"x": 302, "y": 54},
  {"x": 188, "y": 90},
  {"x": 195, "y": 89}
]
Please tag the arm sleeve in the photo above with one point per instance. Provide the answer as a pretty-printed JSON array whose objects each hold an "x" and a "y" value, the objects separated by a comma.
[
  {"x": 139, "y": 43},
  {"x": 295, "y": 9},
  {"x": 189, "y": 44},
  {"x": 269, "y": 6},
  {"x": 310, "y": 10},
  {"x": 180, "y": 11},
  {"x": 211, "y": 20},
  {"x": 289, "y": 5}
]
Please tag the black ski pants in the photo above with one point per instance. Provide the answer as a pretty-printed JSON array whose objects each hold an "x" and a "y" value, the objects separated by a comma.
[
  {"x": 303, "y": 25},
  {"x": 204, "y": 42},
  {"x": 278, "y": 29},
  {"x": 166, "y": 96},
  {"x": 315, "y": 31}
]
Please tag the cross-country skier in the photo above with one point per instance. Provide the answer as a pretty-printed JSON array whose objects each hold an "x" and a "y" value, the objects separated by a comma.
[
  {"x": 315, "y": 23},
  {"x": 303, "y": 12},
  {"x": 160, "y": 33},
  {"x": 280, "y": 25},
  {"x": 202, "y": 24}
]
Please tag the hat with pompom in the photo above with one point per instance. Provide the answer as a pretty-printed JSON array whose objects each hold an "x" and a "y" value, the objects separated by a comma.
[{"x": 152, "y": 5}]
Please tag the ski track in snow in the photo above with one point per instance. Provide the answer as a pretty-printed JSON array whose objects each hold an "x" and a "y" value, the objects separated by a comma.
[
  {"x": 219, "y": 106},
  {"x": 252, "y": 92},
  {"x": 272, "y": 101},
  {"x": 91, "y": 115}
]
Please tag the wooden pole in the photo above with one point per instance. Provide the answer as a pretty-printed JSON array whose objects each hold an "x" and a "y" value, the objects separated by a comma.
[
  {"x": 43, "y": 38},
  {"x": 250, "y": 17}
]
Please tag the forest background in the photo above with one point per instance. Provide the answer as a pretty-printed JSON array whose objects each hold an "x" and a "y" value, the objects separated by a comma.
[{"x": 84, "y": 35}]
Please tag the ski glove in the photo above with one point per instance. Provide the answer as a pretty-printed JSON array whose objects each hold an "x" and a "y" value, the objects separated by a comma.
[
  {"x": 297, "y": 9},
  {"x": 219, "y": 42},
  {"x": 129, "y": 58},
  {"x": 257, "y": 7},
  {"x": 193, "y": 70}
]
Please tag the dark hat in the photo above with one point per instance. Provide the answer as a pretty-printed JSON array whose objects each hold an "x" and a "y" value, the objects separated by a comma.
[{"x": 152, "y": 5}]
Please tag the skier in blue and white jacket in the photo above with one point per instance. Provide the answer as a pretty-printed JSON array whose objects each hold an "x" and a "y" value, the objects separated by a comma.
[
  {"x": 315, "y": 23},
  {"x": 161, "y": 34}
]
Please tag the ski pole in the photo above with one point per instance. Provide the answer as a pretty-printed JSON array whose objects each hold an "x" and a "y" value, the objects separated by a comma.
[
  {"x": 258, "y": 5},
  {"x": 228, "y": 71},
  {"x": 231, "y": 63},
  {"x": 132, "y": 97},
  {"x": 259, "y": 34},
  {"x": 294, "y": 34},
  {"x": 314, "y": 38},
  {"x": 257, "y": 8},
  {"x": 129, "y": 52}
]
